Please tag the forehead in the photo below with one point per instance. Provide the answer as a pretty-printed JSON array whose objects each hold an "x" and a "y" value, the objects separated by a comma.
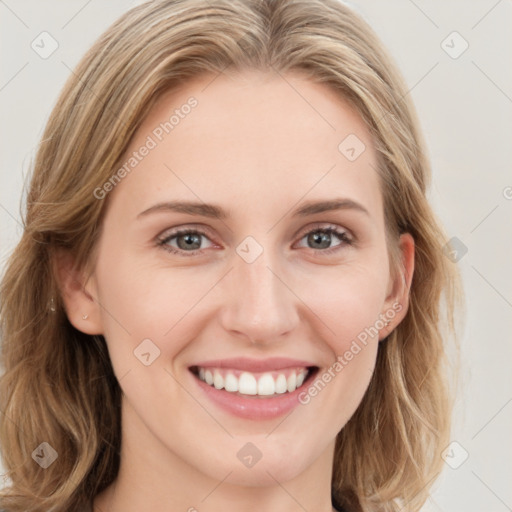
[{"x": 262, "y": 135}]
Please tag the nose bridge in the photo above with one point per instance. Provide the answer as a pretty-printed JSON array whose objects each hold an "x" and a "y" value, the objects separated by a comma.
[{"x": 261, "y": 305}]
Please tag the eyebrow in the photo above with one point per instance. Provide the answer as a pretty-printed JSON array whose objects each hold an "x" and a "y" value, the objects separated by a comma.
[{"x": 216, "y": 212}]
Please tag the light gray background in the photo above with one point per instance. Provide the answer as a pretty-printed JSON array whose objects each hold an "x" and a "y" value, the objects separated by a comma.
[{"x": 465, "y": 107}]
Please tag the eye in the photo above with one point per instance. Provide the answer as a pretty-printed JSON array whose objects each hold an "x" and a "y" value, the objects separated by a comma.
[
  {"x": 321, "y": 237},
  {"x": 186, "y": 240}
]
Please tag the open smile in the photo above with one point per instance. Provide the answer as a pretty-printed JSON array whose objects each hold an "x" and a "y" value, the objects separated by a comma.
[{"x": 237, "y": 387}]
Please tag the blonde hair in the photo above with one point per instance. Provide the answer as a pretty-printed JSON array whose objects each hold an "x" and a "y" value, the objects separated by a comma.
[{"x": 59, "y": 386}]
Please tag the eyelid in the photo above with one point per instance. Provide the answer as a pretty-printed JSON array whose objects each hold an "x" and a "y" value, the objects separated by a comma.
[
  {"x": 324, "y": 225},
  {"x": 200, "y": 228}
]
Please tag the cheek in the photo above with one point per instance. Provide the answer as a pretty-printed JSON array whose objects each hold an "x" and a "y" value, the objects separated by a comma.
[
  {"x": 348, "y": 302},
  {"x": 149, "y": 301},
  {"x": 348, "y": 307}
]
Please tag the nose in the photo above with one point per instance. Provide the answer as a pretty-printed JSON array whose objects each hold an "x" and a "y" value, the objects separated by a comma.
[{"x": 260, "y": 306}]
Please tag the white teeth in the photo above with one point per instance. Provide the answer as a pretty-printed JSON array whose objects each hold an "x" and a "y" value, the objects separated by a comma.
[
  {"x": 231, "y": 383},
  {"x": 248, "y": 384},
  {"x": 292, "y": 382},
  {"x": 266, "y": 385},
  {"x": 281, "y": 386},
  {"x": 218, "y": 380}
]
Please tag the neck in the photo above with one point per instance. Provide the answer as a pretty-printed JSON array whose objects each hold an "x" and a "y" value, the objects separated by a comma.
[{"x": 153, "y": 478}]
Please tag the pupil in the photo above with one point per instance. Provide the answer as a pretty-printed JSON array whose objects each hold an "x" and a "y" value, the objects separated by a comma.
[
  {"x": 322, "y": 237},
  {"x": 189, "y": 241}
]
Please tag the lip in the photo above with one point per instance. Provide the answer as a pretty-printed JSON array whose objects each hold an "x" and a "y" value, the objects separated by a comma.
[
  {"x": 254, "y": 407},
  {"x": 256, "y": 365}
]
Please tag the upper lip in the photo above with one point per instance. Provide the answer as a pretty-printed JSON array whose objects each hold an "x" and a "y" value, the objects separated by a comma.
[{"x": 255, "y": 365}]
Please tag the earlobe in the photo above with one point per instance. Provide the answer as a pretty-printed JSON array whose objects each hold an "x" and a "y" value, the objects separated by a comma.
[
  {"x": 78, "y": 294},
  {"x": 397, "y": 301}
]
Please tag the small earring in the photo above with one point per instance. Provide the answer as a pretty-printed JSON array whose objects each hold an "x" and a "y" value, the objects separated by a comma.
[
  {"x": 85, "y": 317},
  {"x": 52, "y": 305}
]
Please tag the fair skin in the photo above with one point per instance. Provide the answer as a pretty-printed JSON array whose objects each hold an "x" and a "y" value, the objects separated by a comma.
[{"x": 259, "y": 150}]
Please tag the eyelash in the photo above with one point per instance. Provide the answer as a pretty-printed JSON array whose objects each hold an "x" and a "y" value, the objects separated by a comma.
[{"x": 342, "y": 235}]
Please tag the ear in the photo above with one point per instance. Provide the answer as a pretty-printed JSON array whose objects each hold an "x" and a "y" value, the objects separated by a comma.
[
  {"x": 78, "y": 294},
  {"x": 396, "y": 304}
]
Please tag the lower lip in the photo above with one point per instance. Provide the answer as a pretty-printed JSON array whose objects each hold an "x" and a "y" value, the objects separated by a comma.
[{"x": 253, "y": 407}]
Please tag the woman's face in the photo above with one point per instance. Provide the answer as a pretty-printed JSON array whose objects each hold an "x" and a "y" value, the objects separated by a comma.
[{"x": 257, "y": 294}]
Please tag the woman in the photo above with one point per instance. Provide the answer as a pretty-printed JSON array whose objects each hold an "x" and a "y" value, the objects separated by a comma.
[{"x": 228, "y": 290}]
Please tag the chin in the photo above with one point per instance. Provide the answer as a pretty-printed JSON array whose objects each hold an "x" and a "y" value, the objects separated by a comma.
[
  {"x": 276, "y": 463},
  {"x": 262, "y": 475}
]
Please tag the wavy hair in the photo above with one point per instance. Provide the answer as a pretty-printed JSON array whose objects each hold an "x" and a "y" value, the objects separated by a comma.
[{"x": 58, "y": 384}]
